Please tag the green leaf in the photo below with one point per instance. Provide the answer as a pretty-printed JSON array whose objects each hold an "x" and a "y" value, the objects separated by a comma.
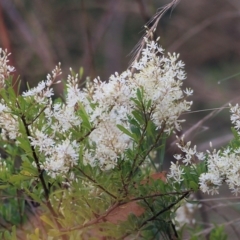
[
  {"x": 193, "y": 185},
  {"x": 23, "y": 142},
  {"x": 81, "y": 71},
  {"x": 218, "y": 233},
  {"x": 47, "y": 220},
  {"x": 149, "y": 103},
  {"x": 85, "y": 118},
  {"x": 5, "y": 186},
  {"x": 138, "y": 104},
  {"x": 17, "y": 179},
  {"x": 28, "y": 167},
  {"x": 127, "y": 132},
  {"x": 140, "y": 94},
  {"x": 138, "y": 116},
  {"x": 34, "y": 196}
]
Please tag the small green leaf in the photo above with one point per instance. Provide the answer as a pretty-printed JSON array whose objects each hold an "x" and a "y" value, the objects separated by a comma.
[
  {"x": 47, "y": 220},
  {"x": 139, "y": 94},
  {"x": 193, "y": 185},
  {"x": 138, "y": 116},
  {"x": 127, "y": 132},
  {"x": 81, "y": 71}
]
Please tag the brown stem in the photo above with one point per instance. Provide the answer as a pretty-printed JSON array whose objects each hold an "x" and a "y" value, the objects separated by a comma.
[
  {"x": 157, "y": 195},
  {"x": 86, "y": 135},
  {"x": 148, "y": 151},
  {"x": 36, "y": 117},
  {"x": 139, "y": 145},
  {"x": 166, "y": 209},
  {"x": 40, "y": 172}
]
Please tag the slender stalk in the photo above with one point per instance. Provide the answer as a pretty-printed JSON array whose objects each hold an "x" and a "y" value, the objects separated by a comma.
[
  {"x": 157, "y": 195},
  {"x": 139, "y": 145},
  {"x": 36, "y": 117},
  {"x": 166, "y": 209},
  {"x": 86, "y": 135},
  {"x": 45, "y": 189}
]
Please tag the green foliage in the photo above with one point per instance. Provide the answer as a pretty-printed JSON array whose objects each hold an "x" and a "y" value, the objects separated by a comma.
[{"x": 218, "y": 233}]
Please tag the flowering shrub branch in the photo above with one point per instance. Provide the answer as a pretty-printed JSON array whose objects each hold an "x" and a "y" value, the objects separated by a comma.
[{"x": 83, "y": 164}]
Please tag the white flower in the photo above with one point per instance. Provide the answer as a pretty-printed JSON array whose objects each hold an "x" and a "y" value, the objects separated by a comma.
[
  {"x": 210, "y": 182},
  {"x": 176, "y": 172},
  {"x": 63, "y": 156},
  {"x": 110, "y": 145},
  {"x": 5, "y": 69},
  {"x": 161, "y": 78},
  {"x": 2, "y": 107},
  {"x": 178, "y": 157},
  {"x": 43, "y": 91},
  {"x": 42, "y": 141},
  {"x": 188, "y": 92},
  {"x": 8, "y": 124},
  {"x": 200, "y": 156}
]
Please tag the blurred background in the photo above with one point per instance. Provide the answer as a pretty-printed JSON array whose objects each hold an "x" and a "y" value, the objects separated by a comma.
[{"x": 100, "y": 34}]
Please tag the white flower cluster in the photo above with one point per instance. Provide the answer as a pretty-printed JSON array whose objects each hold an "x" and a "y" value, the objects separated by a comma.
[
  {"x": 5, "y": 69},
  {"x": 107, "y": 105},
  {"x": 112, "y": 106},
  {"x": 160, "y": 79},
  {"x": 8, "y": 123},
  {"x": 43, "y": 91},
  {"x": 223, "y": 166},
  {"x": 189, "y": 157}
]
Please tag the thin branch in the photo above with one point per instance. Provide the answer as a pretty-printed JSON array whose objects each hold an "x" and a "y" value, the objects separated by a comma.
[
  {"x": 118, "y": 204},
  {"x": 166, "y": 209},
  {"x": 138, "y": 152},
  {"x": 40, "y": 171},
  {"x": 45, "y": 189},
  {"x": 158, "y": 195},
  {"x": 86, "y": 135},
  {"x": 36, "y": 117},
  {"x": 152, "y": 147}
]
